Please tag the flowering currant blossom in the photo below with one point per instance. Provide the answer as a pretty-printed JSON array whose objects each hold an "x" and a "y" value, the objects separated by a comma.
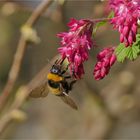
[
  {"x": 75, "y": 45},
  {"x": 106, "y": 58},
  {"x": 126, "y": 15}
]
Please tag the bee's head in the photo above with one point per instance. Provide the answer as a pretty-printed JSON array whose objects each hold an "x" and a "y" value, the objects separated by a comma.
[{"x": 56, "y": 69}]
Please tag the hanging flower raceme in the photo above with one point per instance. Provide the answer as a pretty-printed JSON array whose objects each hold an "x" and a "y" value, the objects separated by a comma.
[
  {"x": 126, "y": 15},
  {"x": 106, "y": 58},
  {"x": 75, "y": 45}
]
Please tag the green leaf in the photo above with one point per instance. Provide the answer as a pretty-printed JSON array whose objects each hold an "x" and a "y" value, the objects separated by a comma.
[
  {"x": 102, "y": 23},
  {"x": 130, "y": 52},
  {"x": 99, "y": 24},
  {"x": 111, "y": 14},
  {"x": 120, "y": 53}
]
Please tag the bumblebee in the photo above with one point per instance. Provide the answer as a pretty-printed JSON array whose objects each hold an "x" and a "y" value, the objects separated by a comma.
[{"x": 58, "y": 83}]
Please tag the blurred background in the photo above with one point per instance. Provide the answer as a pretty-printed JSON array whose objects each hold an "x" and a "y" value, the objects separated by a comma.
[{"x": 109, "y": 108}]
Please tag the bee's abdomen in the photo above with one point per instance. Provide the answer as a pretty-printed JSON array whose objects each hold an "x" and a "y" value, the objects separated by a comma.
[
  {"x": 53, "y": 84},
  {"x": 54, "y": 87}
]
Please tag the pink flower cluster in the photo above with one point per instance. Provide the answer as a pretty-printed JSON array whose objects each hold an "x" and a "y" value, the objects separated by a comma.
[
  {"x": 75, "y": 45},
  {"x": 106, "y": 58},
  {"x": 127, "y": 13}
]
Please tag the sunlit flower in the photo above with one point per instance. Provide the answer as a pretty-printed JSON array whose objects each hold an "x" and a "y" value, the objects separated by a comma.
[
  {"x": 75, "y": 45},
  {"x": 126, "y": 15},
  {"x": 105, "y": 59}
]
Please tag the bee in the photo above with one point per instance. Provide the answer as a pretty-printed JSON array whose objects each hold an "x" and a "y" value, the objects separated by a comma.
[{"x": 57, "y": 83}]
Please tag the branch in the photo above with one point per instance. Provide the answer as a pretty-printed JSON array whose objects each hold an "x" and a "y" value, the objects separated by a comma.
[
  {"x": 100, "y": 20},
  {"x": 14, "y": 71},
  {"x": 22, "y": 95}
]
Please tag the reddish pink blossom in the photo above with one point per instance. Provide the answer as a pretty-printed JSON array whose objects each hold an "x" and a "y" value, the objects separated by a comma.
[
  {"x": 75, "y": 45},
  {"x": 127, "y": 13},
  {"x": 106, "y": 58}
]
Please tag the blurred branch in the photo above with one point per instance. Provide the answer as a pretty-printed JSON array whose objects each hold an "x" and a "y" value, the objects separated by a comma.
[
  {"x": 39, "y": 10},
  {"x": 22, "y": 95},
  {"x": 14, "y": 71}
]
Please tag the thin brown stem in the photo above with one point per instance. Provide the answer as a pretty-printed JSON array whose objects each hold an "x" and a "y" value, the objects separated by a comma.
[
  {"x": 22, "y": 94},
  {"x": 100, "y": 20},
  {"x": 39, "y": 10},
  {"x": 14, "y": 71}
]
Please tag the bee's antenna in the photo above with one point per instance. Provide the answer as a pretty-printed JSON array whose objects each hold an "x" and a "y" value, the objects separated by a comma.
[
  {"x": 59, "y": 61},
  {"x": 49, "y": 62},
  {"x": 56, "y": 61},
  {"x": 62, "y": 61}
]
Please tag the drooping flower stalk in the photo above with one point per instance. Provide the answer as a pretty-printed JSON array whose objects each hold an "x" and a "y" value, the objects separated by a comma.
[
  {"x": 105, "y": 59},
  {"x": 75, "y": 45},
  {"x": 126, "y": 15}
]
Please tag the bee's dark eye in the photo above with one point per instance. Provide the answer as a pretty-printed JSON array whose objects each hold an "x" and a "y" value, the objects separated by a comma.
[{"x": 55, "y": 70}]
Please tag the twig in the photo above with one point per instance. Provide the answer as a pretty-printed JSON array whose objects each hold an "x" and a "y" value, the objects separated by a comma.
[
  {"x": 101, "y": 19},
  {"x": 14, "y": 72},
  {"x": 39, "y": 10},
  {"x": 22, "y": 95}
]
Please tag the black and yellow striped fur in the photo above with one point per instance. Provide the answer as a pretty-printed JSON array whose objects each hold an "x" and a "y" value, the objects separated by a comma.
[{"x": 57, "y": 84}]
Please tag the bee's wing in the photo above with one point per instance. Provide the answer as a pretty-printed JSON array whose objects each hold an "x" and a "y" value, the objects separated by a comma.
[
  {"x": 66, "y": 99},
  {"x": 40, "y": 91},
  {"x": 38, "y": 85}
]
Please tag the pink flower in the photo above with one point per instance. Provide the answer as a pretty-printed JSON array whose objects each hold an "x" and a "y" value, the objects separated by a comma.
[
  {"x": 106, "y": 58},
  {"x": 75, "y": 45},
  {"x": 127, "y": 13}
]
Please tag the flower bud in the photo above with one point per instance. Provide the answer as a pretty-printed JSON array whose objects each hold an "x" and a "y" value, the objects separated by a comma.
[{"x": 104, "y": 64}]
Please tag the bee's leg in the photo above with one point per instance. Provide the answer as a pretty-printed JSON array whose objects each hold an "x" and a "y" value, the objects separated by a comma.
[
  {"x": 67, "y": 86},
  {"x": 64, "y": 71},
  {"x": 71, "y": 84},
  {"x": 64, "y": 88},
  {"x": 66, "y": 94},
  {"x": 67, "y": 77}
]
